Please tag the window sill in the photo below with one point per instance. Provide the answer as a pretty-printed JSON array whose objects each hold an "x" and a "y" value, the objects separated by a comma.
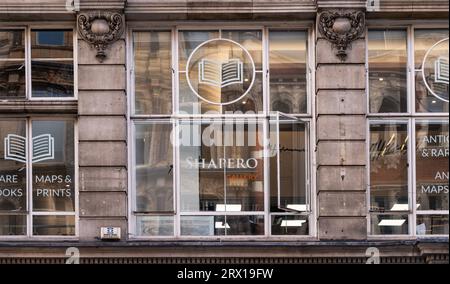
[{"x": 38, "y": 107}]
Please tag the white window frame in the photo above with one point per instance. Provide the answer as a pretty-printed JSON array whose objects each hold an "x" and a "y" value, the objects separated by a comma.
[
  {"x": 309, "y": 117},
  {"x": 27, "y": 28},
  {"x": 29, "y": 183},
  {"x": 410, "y": 117}
]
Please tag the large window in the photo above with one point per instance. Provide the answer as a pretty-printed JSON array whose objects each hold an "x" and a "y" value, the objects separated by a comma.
[
  {"x": 36, "y": 63},
  {"x": 37, "y": 177},
  {"x": 408, "y": 123},
  {"x": 220, "y": 123}
]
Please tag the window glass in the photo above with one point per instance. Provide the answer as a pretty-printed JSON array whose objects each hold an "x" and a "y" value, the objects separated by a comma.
[
  {"x": 153, "y": 72},
  {"x": 432, "y": 225},
  {"x": 222, "y": 225},
  {"x": 431, "y": 62},
  {"x": 389, "y": 167},
  {"x": 53, "y": 225},
  {"x": 188, "y": 41},
  {"x": 289, "y": 225},
  {"x": 387, "y": 71},
  {"x": 154, "y": 168},
  {"x": 251, "y": 40},
  {"x": 389, "y": 224},
  {"x": 432, "y": 173},
  {"x": 154, "y": 225},
  {"x": 52, "y": 70},
  {"x": 53, "y": 166},
  {"x": 51, "y": 44},
  {"x": 12, "y": 64},
  {"x": 288, "y": 56},
  {"x": 12, "y": 44},
  {"x": 13, "y": 175},
  {"x": 291, "y": 196}
]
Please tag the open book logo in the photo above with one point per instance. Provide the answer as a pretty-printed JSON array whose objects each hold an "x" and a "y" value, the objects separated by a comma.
[
  {"x": 220, "y": 63},
  {"x": 220, "y": 74},
  {"x": 16, "y": 148},
  {"x": 441, "y": 70}
]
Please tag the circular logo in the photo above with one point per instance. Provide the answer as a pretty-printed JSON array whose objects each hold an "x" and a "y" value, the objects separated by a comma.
[
  {"x": 435, "y": 70},
  {"x": 220, "y": 71}
]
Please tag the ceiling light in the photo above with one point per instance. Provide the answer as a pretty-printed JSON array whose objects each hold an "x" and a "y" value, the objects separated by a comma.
[
  {"x": 228, "y": 207},
  {"x": 292, "y": 223},
  {"x": 222, "y": 225},
  {"x": 297, "y": 207},
  {"x": 400, "y": 207},
  {"x": 391, "y": 222}
]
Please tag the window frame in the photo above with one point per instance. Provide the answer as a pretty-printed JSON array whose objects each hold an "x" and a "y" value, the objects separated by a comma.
[
  {"x": 132, "y": 118},
  {"x": 30, "y": 213},
  {"x": 27, "y": 28},
  {"x": 410, "y": 117}
]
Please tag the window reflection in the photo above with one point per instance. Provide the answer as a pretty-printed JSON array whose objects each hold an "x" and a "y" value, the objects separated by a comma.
[
  {"x": 51, "y": 44},
  {"x": 52, "y": 78},
  {"x": 389, "y": 167},
  {"x": 389, "y": 224},
  {"x": 432, "y": 171},
  {"x": 12, "y": 79},
  {"x": 154, "y": 168},
  {"x": 53, "y": 225},
  {"x": 153, "y": 72},
  {"x": 288, "y": 55},
  {"x": 387, "y": 71},
  {"x": 12, "y": 44},
  {"x": 432, "y": 225}
]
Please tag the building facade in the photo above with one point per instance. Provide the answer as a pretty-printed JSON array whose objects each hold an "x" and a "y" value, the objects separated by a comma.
[{"x": 247, "y": 131}]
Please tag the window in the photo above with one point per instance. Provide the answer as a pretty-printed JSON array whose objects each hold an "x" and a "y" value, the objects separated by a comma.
[
  {"x": 49, "y": 73},
  {"x": 408, "y": 125},
  {"x": 37, "y": 177},
  {"x": 220, "y": 123}
]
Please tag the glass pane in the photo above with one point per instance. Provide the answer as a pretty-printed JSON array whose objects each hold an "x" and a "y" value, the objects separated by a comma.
[
  {"x": 387, "y": 71},
  {"x": 245, "y": 166},
  {"x": 292, "y": 172},
  {"x": 432, "y": 225},
  {"x": 12, "y": 44},
  {"x": 153, "y": 72},
  {"x": 201, "y": 167},
  {"x": 426, "y": 101},
  {"x": 52, "y": 78},
  {"x": 389, "y": 224},
  {"x": 251, "y": 103},
  {"x": 423, "y": 40},
  {"x": 432, "y": 173},
  {"x": 154, "y": 168},
  {"x": 53, "y": 166},
  {"x": 12, "y": 79},
  {"x": 202, "y": 225},
  {"x": 189, "y": 40},
  {"x": 289, "y": 225},
  {"x": 13, "y": 225},
  {"x": 388, "y": 167},
  {"x": 51, "y": 44},
  {"x": 244, "y": 225},
  {"x": 13, "y": 169},
  {"x": 288, "y": 55},
  {"x": 251, "y": 40},
  {"x": 53, "y": 225},
  {"x": 431, "y": 58},
  {"x": 154, "y": 225},
  {"x": 221, "y": 72}
]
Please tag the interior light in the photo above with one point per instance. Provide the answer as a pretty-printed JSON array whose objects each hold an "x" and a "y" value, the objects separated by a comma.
[
  {"x": 391, "y": 222},
  {"x": 433, "y": 101},
  {"x": 228, "y": 207},
  {"x": 297, "y": 207},
  {"x": 292, "y": 223},
  {"x": 400, "y": 207},
  {"x": 222, "y": 225},
  {"x": 381, "y": 79}
]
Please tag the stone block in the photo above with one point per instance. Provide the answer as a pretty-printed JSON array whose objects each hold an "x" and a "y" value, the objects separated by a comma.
[
  {"x": 342, "y": 228},
  {"x": 90, "y": 228},
  {"x": 341, "y": 178},
  {"x": 103, "y": 204},
  {"x": 342, "y": 153},
  {"x": 102, "y": 128},
  {"x": 103, "y": 179},
  {"x": 340, "y": 76},
  {"x": 341, "y": 102},
  {"x": 101, "y": 77},
  {"x": 342, "y": 203},
  {"x": 103, "y": 154},
  {"x": 102, "y": 103},
  {"x": 327, "y": 54},
  {"x": 334, "y": 127},
  {"x": 115, "y": 53}
]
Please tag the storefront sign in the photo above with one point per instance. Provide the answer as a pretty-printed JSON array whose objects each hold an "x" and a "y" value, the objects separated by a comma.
[{"x": 435, "y": 70}]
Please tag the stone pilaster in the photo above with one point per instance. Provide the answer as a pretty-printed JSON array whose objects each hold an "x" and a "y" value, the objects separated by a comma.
[
  {"x": 341, "y": 122},
  {"x": 102, "y": 125}
]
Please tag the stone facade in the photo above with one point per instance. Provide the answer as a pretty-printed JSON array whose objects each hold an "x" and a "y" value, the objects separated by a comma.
[{"x": 341, "y": 133}]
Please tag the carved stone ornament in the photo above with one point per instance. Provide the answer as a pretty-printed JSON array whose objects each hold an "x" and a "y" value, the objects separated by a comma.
[
  {"x": 100, "y": 29},
  {"x": 341, "y": 28}
]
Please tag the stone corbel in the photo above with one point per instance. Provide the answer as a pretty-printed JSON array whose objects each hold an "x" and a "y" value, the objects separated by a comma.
[
  {"x": 100, "y": 29},
  {"x": 341, "y": 28}
]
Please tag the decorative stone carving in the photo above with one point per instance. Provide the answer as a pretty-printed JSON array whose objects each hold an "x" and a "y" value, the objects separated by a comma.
[
  {"x": 100, "y": 29},
  {"x": 341, "y": 28}
]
